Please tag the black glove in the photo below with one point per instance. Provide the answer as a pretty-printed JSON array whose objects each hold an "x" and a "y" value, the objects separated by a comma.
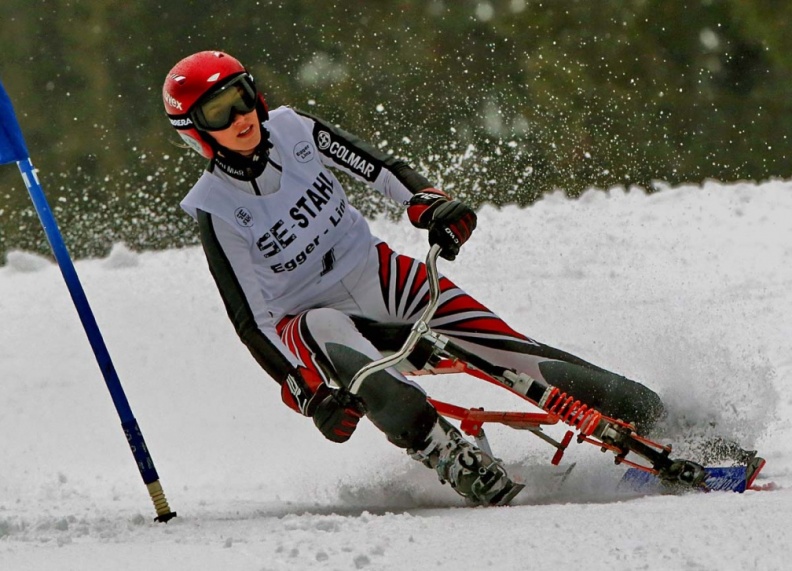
[
  {"x": 337, "y": 414},
  {"x": 450, "y": 222}
]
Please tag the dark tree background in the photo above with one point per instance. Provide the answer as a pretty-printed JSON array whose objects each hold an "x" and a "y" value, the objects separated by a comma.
[{"x": 498, "y": 101}]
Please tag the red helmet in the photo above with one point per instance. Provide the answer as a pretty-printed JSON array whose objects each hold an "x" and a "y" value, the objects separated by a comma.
[{"x": 191, "y": 79}]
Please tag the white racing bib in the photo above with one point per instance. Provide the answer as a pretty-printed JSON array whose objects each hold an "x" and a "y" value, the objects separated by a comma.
[{"x": 302, "y": 238}]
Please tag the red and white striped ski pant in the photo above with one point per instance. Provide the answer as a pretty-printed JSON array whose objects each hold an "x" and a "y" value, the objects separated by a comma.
[{"x": 392, "y": 288}]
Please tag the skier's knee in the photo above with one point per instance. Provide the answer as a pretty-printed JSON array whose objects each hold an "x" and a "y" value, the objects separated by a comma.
[
  {"x": 397, "y": 407},
  {"x": 611, "y": 394},
  {"x": 646, "y": 409}
]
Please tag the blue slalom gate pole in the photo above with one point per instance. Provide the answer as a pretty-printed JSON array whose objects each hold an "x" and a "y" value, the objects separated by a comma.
[{"x": 13, "y": 149}]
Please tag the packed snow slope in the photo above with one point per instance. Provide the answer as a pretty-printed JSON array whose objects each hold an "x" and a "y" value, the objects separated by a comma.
[{"x": 688, "y": 290}]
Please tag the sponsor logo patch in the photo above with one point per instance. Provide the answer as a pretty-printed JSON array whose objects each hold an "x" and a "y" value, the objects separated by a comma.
[
  {"x": 323, "y": 140},
  {"x": 303, "y": 151},
  {"x": 345, "y": 154},
  {"x": 243, "y": 217}
]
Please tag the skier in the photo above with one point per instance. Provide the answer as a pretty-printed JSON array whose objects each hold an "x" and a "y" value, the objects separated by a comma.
[{"x": 301, "y": 275}]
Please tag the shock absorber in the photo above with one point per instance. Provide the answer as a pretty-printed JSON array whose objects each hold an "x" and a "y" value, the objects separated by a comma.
[
  {"x": 610, "y": 434},
  {"x": 571, "y": 411},
  {"x": 552, "y": 400}
]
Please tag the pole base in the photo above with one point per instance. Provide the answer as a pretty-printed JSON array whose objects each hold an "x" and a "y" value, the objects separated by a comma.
[
  {"x": 164, "y": 513},
  {"x": 165, "y": 518}
]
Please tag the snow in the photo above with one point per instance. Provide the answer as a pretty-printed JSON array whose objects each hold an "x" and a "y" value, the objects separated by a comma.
[{"x": 688, "y": 290}]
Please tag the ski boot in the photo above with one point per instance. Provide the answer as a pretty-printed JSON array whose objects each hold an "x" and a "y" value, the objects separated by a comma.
[{"x": 474, "y": 474}]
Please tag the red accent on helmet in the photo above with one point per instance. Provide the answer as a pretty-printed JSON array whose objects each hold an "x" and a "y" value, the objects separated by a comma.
[{"x": 187, "y": 82}]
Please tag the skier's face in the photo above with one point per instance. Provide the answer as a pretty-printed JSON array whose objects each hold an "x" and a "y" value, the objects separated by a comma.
[{"x": 242, "y": 136}]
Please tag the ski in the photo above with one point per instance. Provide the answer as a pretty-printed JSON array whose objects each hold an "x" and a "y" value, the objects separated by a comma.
[{"x": 723, "y": 479}]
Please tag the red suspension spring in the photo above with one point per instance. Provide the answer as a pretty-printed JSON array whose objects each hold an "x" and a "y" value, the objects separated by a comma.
[{"x": 572, "y": 412}]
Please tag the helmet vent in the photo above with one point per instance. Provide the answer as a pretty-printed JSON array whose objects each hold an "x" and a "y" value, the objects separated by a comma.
[{"x": 213, "y": 77}]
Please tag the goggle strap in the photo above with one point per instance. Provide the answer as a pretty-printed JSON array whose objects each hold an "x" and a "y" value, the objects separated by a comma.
[{"x": 181, "y": 121}]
